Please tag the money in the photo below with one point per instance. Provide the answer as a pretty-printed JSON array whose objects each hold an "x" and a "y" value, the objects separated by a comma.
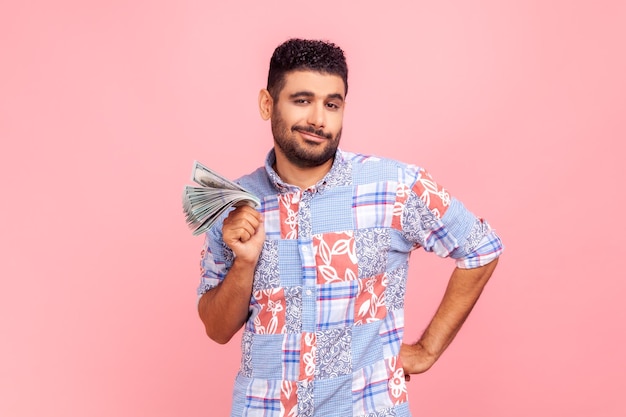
[{"x": 204, "y": 205}]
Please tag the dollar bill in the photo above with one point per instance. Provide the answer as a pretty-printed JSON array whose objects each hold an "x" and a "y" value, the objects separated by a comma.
[{"x": 204, "y": 205}]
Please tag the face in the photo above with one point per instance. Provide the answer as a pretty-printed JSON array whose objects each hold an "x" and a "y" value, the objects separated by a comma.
[{"x": 307, "y": 118}]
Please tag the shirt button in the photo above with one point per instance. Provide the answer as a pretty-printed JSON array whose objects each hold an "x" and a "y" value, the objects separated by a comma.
[{"x": 309, "y": 292}]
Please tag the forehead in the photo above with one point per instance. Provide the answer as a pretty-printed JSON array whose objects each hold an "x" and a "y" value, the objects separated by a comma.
[{"x": 318, "y": 83}]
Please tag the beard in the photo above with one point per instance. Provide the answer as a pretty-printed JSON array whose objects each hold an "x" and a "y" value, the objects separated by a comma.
[{"x": 301, "y": 155}]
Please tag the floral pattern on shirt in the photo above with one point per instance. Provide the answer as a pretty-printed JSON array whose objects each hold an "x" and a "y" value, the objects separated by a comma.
[
  {"x": 372, "y": 246},
  {"x": 289, "y": 399},
  {"x": 402, "y": 194},
  {"x": 288, "y": 208},
  {"x": 397, "y": 383},
  {"x": 293, "y": 313},
  {"x": 308, "y": 356},
  {"x": 437, "y": 199},
  {"x": 396, "y": 288},
  {"x": 305, "y": 399},
  {"x": 478, "y": 232},
  {"x": 333, "y": 352},
  {"x": 266, "y": 273},
  {"x": 246, "y": 354},
  {"x": 422, "y": 227},
  {"x": 370, "y": 302},
  {"x": 335, "y": 257},
  {"x": 271, "y": 316},
  {"x": 387, "y": 412}
]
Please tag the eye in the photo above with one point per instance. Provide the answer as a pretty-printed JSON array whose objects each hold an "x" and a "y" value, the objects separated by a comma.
[
  {"x": 301, "y": 101},
  {"x": 333, "y": 106}
]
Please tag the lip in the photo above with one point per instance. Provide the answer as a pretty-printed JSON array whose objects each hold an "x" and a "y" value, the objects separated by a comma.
[{"x": 311, "y": 136}]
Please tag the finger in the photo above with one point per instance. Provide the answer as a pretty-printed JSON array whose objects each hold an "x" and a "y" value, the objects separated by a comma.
[
  {"x": 241, "y": 219},
  {"x": 239, "y": 233},
  {"x": 245, "y": 235},
  {"x": 246, "y": 211}
]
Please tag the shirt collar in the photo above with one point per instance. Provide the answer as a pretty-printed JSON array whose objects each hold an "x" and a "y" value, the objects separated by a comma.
[{"x": 332, "y": 177}]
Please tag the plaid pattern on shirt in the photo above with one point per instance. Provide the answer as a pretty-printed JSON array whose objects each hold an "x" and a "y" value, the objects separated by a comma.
[{"x": 327, "y": 308}]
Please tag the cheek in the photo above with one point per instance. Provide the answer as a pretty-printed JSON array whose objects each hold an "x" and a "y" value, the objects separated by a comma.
[{"x": 335, "y": 124}]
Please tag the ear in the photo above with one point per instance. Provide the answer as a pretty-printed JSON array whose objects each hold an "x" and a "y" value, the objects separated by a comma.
[{"x": 266, "y": 104}]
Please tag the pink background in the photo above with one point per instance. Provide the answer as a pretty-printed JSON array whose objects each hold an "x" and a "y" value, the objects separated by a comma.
[{"x": 517, "y": 107}]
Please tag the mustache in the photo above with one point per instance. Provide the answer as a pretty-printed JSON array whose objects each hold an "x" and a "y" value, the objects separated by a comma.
[{"x": 312, "y": 130}]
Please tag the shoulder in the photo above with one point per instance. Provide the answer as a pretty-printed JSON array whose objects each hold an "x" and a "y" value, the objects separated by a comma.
[
  {"x": 385, "y": 168},
  {"x": 257, "y": 181},
  {"x": 255, "y": 175},
  {"x": 356, "y": 158}
]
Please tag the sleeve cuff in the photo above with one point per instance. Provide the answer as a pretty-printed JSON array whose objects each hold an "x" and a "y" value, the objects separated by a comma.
[{"x": 489, "y": 248}]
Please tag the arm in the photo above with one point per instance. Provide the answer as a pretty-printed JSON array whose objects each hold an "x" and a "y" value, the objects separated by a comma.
[
  {"x": 464, "y": 288},
  {"x": 224, "y": 309}
]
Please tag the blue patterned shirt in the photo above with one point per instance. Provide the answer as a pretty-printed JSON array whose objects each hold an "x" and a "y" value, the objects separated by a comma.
[{"x": 327, "y": 306}]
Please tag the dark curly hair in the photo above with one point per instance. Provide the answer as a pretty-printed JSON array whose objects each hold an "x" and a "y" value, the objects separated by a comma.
[{"x": 304, "y": 54}]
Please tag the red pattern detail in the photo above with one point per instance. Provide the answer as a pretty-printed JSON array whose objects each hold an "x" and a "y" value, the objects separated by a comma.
[
  {"x": 436, "y": 197},
  {"x": 288, "y": 209},
  {"x": 370, "y": 302},
  {"x": 271, "y": 317},
  {"x": 335, "y": 257},
  {"x": 307, "y": 356},
  {"x": 397, "y": 383},
  {"x": 402, "y": 194},
  {"x": 288, "y": 399}
]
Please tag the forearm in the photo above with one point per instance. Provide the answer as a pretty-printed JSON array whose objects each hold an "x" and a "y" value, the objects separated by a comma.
[
  {"x": 464, "y": 289},
  {"x": 224, "y": 309}
]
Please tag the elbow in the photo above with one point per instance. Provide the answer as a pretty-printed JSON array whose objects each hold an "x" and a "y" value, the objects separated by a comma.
[
  {"x": 221, "y": 327},
  {"x": 492, "y": 265},
  {"x": 218, "y": 335},
  {"x": 219, "y": 338}
]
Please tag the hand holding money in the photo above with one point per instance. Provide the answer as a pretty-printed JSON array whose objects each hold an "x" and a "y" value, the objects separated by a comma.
[
  {"x": 204, "y": 205},
  {"x": 244, "y": 233}
]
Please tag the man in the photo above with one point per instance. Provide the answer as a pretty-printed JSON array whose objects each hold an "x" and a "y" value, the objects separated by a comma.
[{"x": 317, "y": 275}]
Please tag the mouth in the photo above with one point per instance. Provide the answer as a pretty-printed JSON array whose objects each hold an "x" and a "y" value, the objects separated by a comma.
[{"x": 312, "y": 135}]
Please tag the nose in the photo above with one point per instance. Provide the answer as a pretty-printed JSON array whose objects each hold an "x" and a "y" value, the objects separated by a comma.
[{"x": 317, "y": 115}]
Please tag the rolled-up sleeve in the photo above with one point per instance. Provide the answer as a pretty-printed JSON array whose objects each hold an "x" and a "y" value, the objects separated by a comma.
[
  {"x": 477, "y": 242},
  {"x": 440, "y": 223},
  {"x": 215, "y": 261},
  {"x": 488, "y": 249}
]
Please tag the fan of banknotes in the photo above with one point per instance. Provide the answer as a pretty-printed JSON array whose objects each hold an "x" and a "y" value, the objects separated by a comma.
[{"x": 205, "y": 204}]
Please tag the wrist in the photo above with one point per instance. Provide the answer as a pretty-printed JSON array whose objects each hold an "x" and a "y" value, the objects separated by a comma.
[
  {"x": 243, "y": 264},
  {"x": 427, "y": 351}
]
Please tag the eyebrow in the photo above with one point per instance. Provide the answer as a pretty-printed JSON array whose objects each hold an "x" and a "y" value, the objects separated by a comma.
[{"x": 335, "y": 96}]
